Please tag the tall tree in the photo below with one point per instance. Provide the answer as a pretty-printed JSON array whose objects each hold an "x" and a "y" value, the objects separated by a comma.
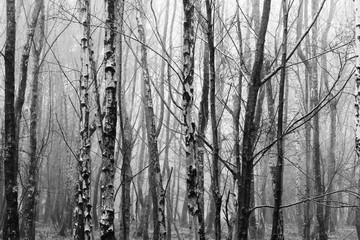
[
  {"x": 203, "y": 123},
  {"x": 214, "y": 125},
  {"x": 11, "y": 225},
  {"x": 109, "y": 128},
  {"x": 155, "y": 179},
  {"x": 125, "y": 133},
  {"x": 303, "y": 55},
  {"x": 82, "y": 213},
  {"x": 250, "y": 131},
  {"x": 187, "y": 107},
  {"x": 278, "y": 225},
  {"x": 314, "y": 100},
  {"x": 330, "y": 213},
  {"x": 31, "y": 200},
  {"x": 357, "y": 100}
]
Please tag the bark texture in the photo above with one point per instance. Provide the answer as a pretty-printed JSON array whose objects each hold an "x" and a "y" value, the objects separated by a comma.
[
  {"x": 109, "y": 127},
  {"x": 357, "y": 99},
  {"x": 187, "y": 108},
  {"x": 214, "y": 125},
  {"x": 156, "y": 187},
  {"x": 11, "y": 224},
  {"x": 83, "y": 213}
]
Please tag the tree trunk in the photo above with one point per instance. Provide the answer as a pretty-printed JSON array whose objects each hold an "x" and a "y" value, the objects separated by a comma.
[
  {"x": 140, "y": 178},
  {"x": 32, "y": 188},
  {"x": 187, "y": 105},
  {"x": 82, "y": 213},
  {"x": 155, "y": 179},
  {"x": 237, "y": 108},
  {"x": 357, "y": 102},
  {"x": 250, "y": 132},
  {"x": 95, "y": 199},
  {"x": 215, "y": 145},
  {"x": 109, "y": 128},
  {"x": 126, "y": 134},
  {"x": 308, "y": 70},
  {"x": 316, "y": 131},
  {"x": 278, "y": 225},
  {"x": 329, "y": 212},
  {"x": 203, "y": 122},
  {"x": 11, "y": 226}
]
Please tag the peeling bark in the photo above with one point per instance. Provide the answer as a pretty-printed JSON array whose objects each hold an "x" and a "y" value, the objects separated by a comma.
[
  {"x": 82, "y": 214},
  {"x": 187, "y": 107},
  {"x": 109, "y": 128},
  {"x": 357, "y": 101}
]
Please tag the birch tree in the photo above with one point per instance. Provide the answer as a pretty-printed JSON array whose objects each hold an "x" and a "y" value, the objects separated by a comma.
[
  {"x": 357, "y": 98},
  {"x": 82, "y": 218},
  {"x": 109, "y": 127},
  {"x": 187, "y": 107}
]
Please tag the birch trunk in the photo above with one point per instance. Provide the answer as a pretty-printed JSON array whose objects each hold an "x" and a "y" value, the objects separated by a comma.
[
  {"x": 156, "y": 187},
  {"x": 109, "y": 128},
  {"x": 187, "y": 106},
  {"x": 82, "y": 213},
  {"x": 357, "y": 100}
]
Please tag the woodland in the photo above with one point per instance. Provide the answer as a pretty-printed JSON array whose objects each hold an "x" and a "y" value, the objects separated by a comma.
[{"x": 169, "y": 119}]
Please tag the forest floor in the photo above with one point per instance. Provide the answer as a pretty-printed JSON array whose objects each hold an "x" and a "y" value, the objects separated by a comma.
[{"x": 342, "y": 233}]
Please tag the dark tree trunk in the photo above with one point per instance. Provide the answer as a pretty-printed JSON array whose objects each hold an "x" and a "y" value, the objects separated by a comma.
[
  {"x": 11, "y": 225},
  {"x": 250, "y": 131},
  {"x": 278, "y": 225},
  {"x": 214, "y": 125}
]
